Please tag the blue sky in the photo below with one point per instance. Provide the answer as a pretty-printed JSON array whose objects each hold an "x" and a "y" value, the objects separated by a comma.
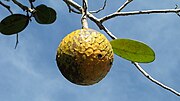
[{"x": 29, "y": 73}]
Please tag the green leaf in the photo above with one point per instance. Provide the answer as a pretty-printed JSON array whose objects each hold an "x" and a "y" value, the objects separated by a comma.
[
  {"x": 133, "y": 50},
  {"x": 53, "y": 15},
  {"x": 13, "y": 24},
  {"x": 44, "y": 14}
]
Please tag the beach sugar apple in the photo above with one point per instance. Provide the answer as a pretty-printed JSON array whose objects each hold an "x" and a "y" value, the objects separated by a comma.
[{"x": 84, "y": 56}]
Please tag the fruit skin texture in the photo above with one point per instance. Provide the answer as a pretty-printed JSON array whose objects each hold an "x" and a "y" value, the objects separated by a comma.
[{"x": 84, "y": 57}]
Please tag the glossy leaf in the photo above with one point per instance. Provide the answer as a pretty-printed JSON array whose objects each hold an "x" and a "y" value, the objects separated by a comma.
[
  {"x": 13, "y": 24},
  {"x": 53, "y": 15},
  {"x": 44, "y": 14},
  {"x": 133, "y": 50}
]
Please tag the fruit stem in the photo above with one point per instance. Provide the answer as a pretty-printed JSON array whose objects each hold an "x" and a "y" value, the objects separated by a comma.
[{"x": 84, "y": 14}]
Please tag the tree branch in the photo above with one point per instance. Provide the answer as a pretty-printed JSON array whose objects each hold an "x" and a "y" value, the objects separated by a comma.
[
  {"x": 71, "y": 9},
  {"x": 138, "y": 13},
  {"x": 79, "y": 8},
  {"x": 100, "y": 8},
  {"x": 6, "y": 6},
  {"x": 31, "y": 3},
  {"x": 73, "y": 4},
  {"x": 24, "y": 8},
  {"x": 102, "y": 27},
  {"x": 154, "y": 80},
  {"x": 124, "y": 5},
  {"x": 84, "y": 14}
]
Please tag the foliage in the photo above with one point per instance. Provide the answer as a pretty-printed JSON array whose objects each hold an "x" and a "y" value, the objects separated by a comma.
[
  {"x": 44, "y": 14},
  {"x": 13, "y": 24},
  {"x": 127, "y": 49},
  {"x": 132, "y": 50},
  {"x": 16, "y": 23}
]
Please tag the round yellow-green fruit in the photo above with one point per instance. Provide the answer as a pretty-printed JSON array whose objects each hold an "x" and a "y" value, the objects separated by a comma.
[{"x": 84, "y": 57}]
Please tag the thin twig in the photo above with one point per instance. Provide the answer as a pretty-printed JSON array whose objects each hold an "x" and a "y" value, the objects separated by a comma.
[
  {"x": 178, "y": 14},
  {"x": 73, "y": 4},
  {"x": 85, "y": 7},
  {"x": 124, "y": 5},
  {"x": 102, "y": 8},
  {"x": 31, "y": 3},
  {"x": 17, "y": 41},
  {"x": 71, "y": 9},
  {"x": 6, "y": 6},
  {"x": 79, "y": 8},
  {"x": 154, "y": 80},
  {"x": 139, "y": 13},
  {"x": 99, "y": 24},
  {"x": 23, "y": 7},
  {"x": 176, "y": 7},
  {"x": 108, "y": 32}
]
